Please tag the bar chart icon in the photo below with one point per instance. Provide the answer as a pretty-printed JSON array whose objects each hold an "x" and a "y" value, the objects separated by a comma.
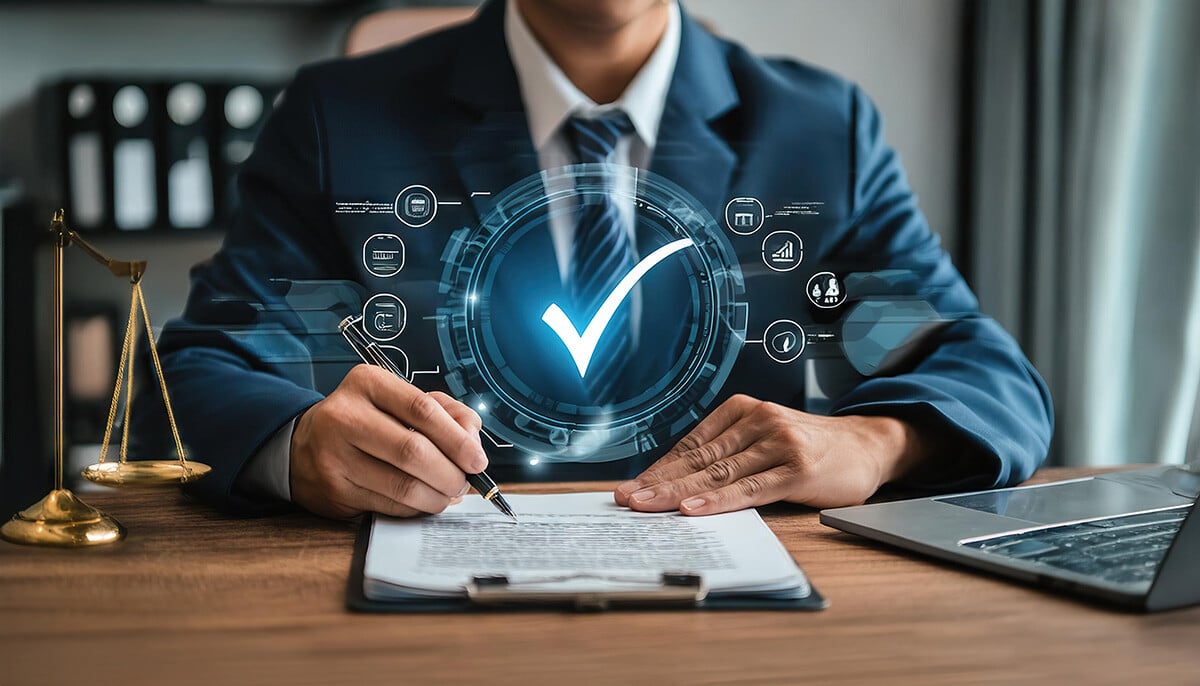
[
  {"x": 782, "y": 251},
  {"x": 785, "y": 254}
]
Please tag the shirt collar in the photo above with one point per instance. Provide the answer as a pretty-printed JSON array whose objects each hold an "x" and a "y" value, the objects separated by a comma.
[{"x": 550, "y": 97}]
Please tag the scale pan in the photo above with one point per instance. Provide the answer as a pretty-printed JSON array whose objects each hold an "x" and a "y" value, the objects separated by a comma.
[{"x": 145, "y": 473}]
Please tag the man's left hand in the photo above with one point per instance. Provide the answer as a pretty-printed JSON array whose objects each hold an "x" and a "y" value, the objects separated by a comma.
[{"x": 750, "y": 452}]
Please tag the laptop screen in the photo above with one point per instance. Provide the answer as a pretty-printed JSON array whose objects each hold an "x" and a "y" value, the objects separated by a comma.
[{"x": 1069, "y": 501}]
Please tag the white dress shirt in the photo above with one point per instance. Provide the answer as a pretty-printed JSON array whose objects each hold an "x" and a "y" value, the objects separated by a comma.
[{"x": 550, "y": 99}]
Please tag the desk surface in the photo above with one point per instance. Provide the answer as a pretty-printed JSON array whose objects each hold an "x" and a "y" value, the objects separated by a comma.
[{"x": 195, "y": 597}]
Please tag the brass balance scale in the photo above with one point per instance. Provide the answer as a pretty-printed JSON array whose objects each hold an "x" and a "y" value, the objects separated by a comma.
[{"x": 61, "y": 518}]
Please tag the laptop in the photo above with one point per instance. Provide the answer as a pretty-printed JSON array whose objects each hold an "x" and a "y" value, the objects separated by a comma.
[{"x": 1130, "y": 538}]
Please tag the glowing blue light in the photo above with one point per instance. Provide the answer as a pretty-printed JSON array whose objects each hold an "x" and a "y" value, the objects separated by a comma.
[{"x": 533, "y": 461}]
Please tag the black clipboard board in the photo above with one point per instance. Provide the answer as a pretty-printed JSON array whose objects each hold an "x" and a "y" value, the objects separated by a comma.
[{"x": 357, "y": 601}]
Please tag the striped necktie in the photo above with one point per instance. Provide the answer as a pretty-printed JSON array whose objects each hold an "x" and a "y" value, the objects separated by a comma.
[{"x": 602, "y": 254}]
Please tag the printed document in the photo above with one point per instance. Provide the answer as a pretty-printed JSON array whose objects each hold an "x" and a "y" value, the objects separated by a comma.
[{"x": 575, "y": 542}]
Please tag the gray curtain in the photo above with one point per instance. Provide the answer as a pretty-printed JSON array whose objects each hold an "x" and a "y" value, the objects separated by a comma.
[{"x": 1083, "y": 233}]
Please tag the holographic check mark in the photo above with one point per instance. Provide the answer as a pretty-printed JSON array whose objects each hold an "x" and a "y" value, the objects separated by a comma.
[{"x": 582, "y": 346}]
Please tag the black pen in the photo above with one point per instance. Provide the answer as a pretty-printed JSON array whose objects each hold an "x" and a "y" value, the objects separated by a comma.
[{"x": 370, "y": 352}]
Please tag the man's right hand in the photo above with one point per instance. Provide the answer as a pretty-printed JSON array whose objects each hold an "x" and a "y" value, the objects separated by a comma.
[{"x": 354, "y": 451}]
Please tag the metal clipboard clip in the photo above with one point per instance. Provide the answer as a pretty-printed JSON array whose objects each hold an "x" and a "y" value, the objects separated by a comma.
[{"x": 670, "y": 589}]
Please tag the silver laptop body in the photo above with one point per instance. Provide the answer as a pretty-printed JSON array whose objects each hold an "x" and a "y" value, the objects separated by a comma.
[{"x": 1130, "y": 538}]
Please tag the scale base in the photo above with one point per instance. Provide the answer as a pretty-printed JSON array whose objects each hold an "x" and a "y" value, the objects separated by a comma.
[
  {"x": 145, "y": 473},
  {"x": 62, "y": 520}
]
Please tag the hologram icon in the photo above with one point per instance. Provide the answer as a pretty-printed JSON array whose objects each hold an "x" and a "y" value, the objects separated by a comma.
[
  {"x": 415, "y": 206},
  {"x": 784, "y": 341},
  {"x": 383, "y": 255},
  {"x": 384, "y": 317},
  {"x": 825, "y": 291},
  {"x": 744, "y": 216},
  {"x": 782, "y": 251}
]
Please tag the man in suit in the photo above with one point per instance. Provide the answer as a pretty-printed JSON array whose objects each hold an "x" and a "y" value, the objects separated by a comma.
[{"x": 533, "y": 85}]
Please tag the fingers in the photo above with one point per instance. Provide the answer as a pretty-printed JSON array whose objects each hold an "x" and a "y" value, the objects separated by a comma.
[
  {"x": 379, "y": 435},
  {"x": 369, "y": 501},
  {"x": 668, "y": 494},
  {"x": 749, "y": 491},
  {"x": 465, "y": 416},
  {"x": 710, "y": 465},
  {"x": 389, "y": 490},
  {"x": 355, "y": 450},
  {"x": 425, "y": 413},
  {"x": 726, "y": 415},
  {"x": 724, "y": 432}
]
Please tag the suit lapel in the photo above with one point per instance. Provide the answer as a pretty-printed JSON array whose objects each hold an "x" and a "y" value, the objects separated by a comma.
[
  {"x": 689, "y": 154},
  {"x": 495, "y": 151},
  {"x": 492, "y": 155},
  {"x": 689, "y": 151}
]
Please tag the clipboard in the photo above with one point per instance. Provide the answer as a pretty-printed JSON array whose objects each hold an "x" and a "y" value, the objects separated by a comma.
[{"x": 676, "y": 591}]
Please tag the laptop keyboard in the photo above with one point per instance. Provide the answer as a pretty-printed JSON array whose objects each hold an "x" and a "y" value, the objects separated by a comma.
[{"x": 1125, "y": 549}]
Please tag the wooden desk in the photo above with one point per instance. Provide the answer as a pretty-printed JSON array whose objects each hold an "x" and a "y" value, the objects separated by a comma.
[{"x": 196, "y": 597}]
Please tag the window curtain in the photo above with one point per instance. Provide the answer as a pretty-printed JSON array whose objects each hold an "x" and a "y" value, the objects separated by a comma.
[{"x": 1083, "y": 221}]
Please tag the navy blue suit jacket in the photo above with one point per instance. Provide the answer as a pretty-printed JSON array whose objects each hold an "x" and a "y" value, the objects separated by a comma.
[{"x": 445, "y": 111}]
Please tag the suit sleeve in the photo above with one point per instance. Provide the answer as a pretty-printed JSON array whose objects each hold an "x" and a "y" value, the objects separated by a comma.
[
  {"x": 974, "y": 390},
  {"x": 230, "y": 361}
]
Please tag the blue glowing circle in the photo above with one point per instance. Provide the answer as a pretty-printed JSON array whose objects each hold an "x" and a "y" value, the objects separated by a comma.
[{"x": 500, "y": 355}]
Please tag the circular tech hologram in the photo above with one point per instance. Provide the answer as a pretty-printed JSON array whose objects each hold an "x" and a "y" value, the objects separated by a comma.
[{"x": 502, "y": 276}]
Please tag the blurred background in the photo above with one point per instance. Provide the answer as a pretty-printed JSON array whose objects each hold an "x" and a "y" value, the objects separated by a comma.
[{"x": 1055, "y": 147}]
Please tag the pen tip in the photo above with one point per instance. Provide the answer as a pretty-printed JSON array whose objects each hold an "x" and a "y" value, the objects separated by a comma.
[{"x": 502, "y": 505}]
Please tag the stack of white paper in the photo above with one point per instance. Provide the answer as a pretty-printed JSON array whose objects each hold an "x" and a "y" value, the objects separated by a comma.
[{"x": 574, "y": 542}]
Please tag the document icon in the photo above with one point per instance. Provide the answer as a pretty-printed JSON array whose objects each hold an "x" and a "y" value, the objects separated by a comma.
[
  {"x": 384, "y": 317},
  {"x": 415, "y": 206},
  {"x": 418, "y": 207},
  {"x": 383, "y": 255}
]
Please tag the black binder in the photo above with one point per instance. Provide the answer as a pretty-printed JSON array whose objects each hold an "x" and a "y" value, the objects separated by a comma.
[
  {"x": 239, "y": 111},
  {"x": 135, "y": 127},
  {"x": 73, "y": 126},
  {"x": 678, "y": 591},
  {"x": 187, "y": 164},
  {"x": 148, "y": 153}
]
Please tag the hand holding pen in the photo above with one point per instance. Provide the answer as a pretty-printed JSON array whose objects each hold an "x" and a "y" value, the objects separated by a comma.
[
  {"x": 370, "y": 353},
  {"x": 379, "y": 444}
]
